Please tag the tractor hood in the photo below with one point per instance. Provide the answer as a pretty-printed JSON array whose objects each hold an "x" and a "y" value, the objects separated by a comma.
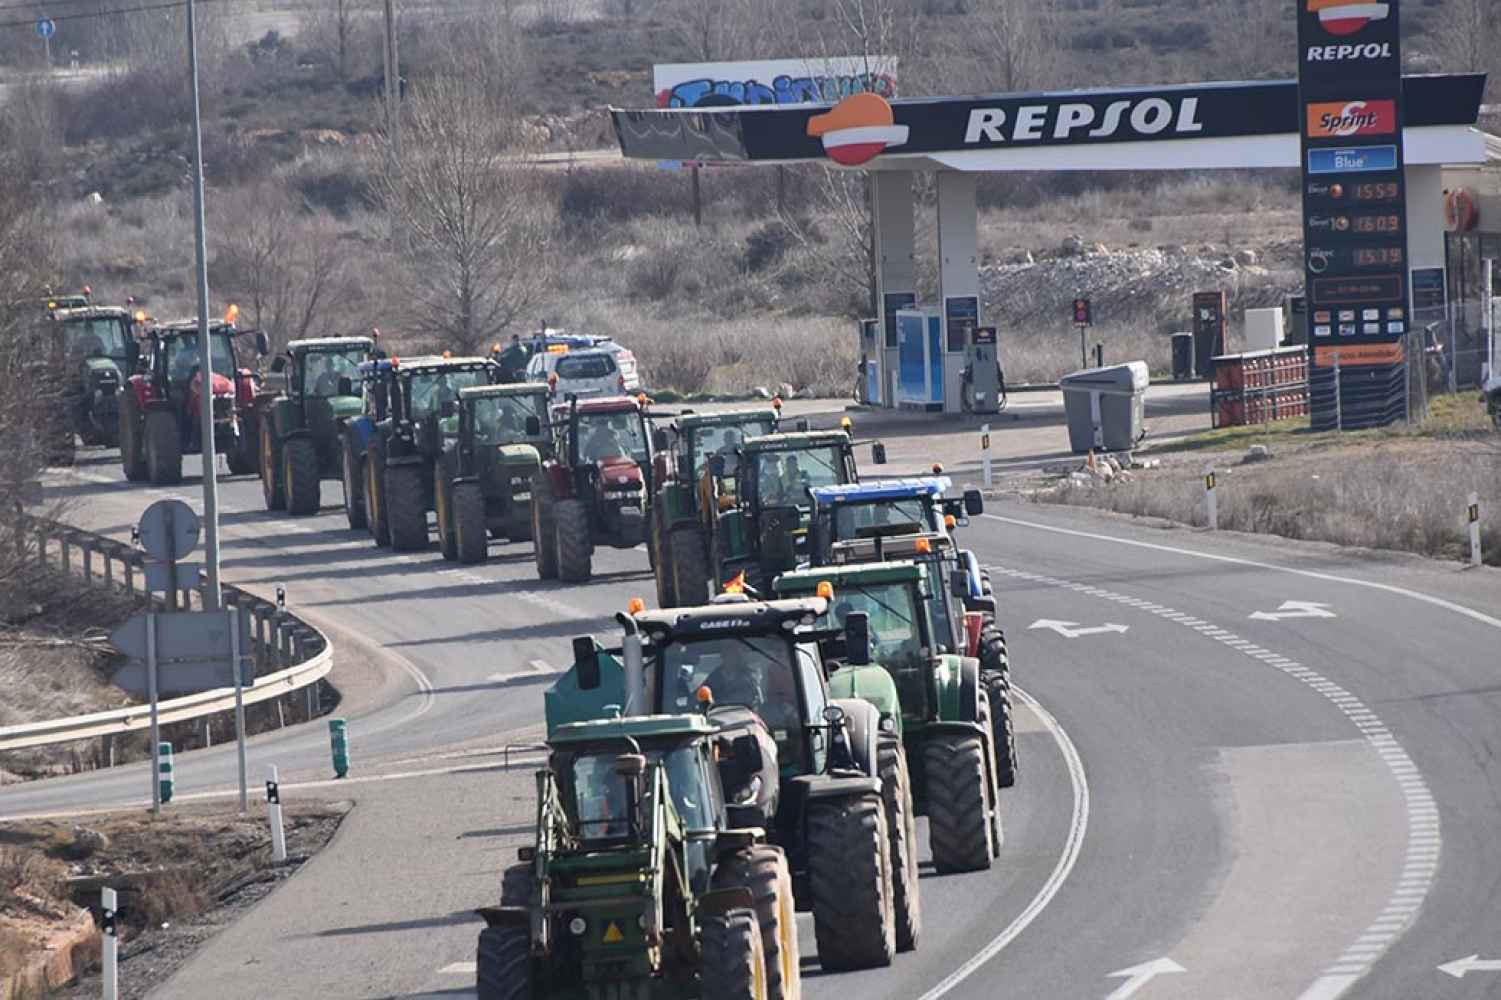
[
  {"x": 870, "y": 683},
  {"x": 345, "y": 406},
  {"x": 523, "y": 455},
  {"x": 101, "y": 367},
  {"x": 618, "y": 471},
  {"x": 222, "y": 386}
]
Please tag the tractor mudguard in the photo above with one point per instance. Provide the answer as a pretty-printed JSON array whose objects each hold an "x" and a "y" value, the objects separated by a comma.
[
  {"x": 720, "y": 901},
  {"x": 826, "y": 786},
  {"x": 505, "y": 916},
  {"x": 513, "y": 455},
  {"x": 984, "y": 605},
  {"x": 870, "y": 683},
  {"x": 956, "y": 680},
  {"x": 559, "y": 479},
  {"x": 960, "y": 728},
  {"x": 286, "y": 420},
  {"x": 395, "y": 461}
]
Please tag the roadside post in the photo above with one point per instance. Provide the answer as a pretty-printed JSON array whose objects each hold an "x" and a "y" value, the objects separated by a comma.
[
  {"x": 45, "y": 29},
  {"x": 985, "y": 469},
  {"x": 338, "y": 739},
  {"x": 273, "y": 807},
  {"x": 1211, "y": 502},
  {"x": 166, "y": 778},
  {"x": 1473, "y": 515},
  {"x": 110, "y": 946},
  {"x": 1082, "y": 320}
]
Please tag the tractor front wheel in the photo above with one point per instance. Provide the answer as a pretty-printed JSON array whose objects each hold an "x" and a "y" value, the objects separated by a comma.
[
  {"x": 301, "y": 479},
  {"x": 244, "y": 457},
  {"x": 354, "y": 484},
  {"x": 163, "y": 448},
  {"x": 732, "y": 964},
  {"x": 763, "y": 870},
  {"x": 958, "y": 814},
  {"x": 544, "y": 534},
  {"x": 849, "y": 875},
  {"x": 503, "y": 963},
  {"x": 688, "y": 557},
  {"x": 273, "y": 487},
  {"x": 468, "y": 509},
  {"x": 406, "y": 508},
  {"x": 375, "y": 493},
  {"x": 132, "y": 450},
  {"x": 448, "y": 542},
  {"x": 901, "y": 826},
  {"x": 575, "y": 548}
]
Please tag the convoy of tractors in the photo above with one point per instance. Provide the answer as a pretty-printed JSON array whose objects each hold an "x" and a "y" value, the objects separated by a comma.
[{"x": 825, "y": 664}]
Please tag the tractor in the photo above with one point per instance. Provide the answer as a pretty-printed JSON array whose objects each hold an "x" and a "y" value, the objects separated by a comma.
[
  {"x": 160, "y": 410},
  {"x": 682, "y": 478},
  {"x": 753, "y": 523},
  {"x": 837, "y": 798},
  {"x": 91, "y": 342},
  {"x": 486, "y": 473},
  {"x": 875, "y": 521},
  {"x": 302, "y": 429},
  {"x": 595, "y": 486},
  {"x": 392, "y": 449},
  {"x": 944, "y": 718},
  {"x": 637, "y": 886}
]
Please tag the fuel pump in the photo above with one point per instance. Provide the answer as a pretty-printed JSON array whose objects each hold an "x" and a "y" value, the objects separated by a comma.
[
  {"x": 869, "y": 379},
  {"x": 984, "y": 383}
]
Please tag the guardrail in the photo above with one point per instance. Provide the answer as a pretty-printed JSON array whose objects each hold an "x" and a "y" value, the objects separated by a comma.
[{"x": 290, "y": 655}]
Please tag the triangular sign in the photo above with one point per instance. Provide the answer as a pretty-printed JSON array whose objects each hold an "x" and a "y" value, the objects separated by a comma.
[{"x": 613, "y": 934}]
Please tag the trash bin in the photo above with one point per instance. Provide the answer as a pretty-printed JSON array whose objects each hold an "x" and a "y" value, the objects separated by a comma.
[
  {"x": 1183, "y": 357},
  {"x": 1103, "y": 406}
]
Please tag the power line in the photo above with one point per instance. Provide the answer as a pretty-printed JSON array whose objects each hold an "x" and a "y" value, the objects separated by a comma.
[{"x": 84, "y": 14}]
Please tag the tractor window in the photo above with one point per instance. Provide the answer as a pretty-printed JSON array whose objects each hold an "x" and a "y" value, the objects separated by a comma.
[
  {"x": 502, "y": 419},
  {"x": 784, "y": 477},
  {"x": 428, "y": 390},
  {"x": 600, "y": 793},
  {"x": 99, "y": 337},
  {"x": 182, "y": 355},
  {"x": 323, "y": 369},
  {"x": 723, "y": 441},
  {"x": 754, "y": 671},
  {"x": 610, "y": 435},
  {"x": 849, "y": 519},
  {"x": 896, "y": 638},
  {"x": 690, "y": 791}
]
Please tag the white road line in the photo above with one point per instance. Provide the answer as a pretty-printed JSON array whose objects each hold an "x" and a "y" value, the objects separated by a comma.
[
  {"x": 1072, "y": 844},
  {"x": 1423, "y": 843},
  {"x": 457, "y": 969}
]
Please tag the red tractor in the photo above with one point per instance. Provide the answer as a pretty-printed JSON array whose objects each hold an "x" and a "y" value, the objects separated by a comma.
[
  {"x": 595, "y": 487},
  {"x": 161, "y": 409}
]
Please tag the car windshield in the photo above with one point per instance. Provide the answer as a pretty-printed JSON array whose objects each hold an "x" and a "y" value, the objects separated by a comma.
[
  {"x": 601, "y": 797},
  {"x": 723, "y": 440},
  {"x": 502, "y": 419},
  {"x": 323, "y": 369},
  {"x": 756, "y": 672},
  {"x": 429, "y": 390},
  {"x": 96, "y": 337},
  {"x": 182, "y": 355},
  {"x": 850, "y": 518},
  {"x": 611, "y": 435},
  {"x": 895, "y": 635},
  {"x": 578, "y": 366},
  {"x": 784, "y": 477}
]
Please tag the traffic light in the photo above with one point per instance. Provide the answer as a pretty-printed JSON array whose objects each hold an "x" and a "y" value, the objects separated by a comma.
[{"x": 1081, "y": 312}]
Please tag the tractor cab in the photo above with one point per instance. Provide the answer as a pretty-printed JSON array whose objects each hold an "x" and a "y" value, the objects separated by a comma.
[
  {"x": 90, "y": 343},
  {"x": 685, "y": 449},
  {"x": 886, "y": 508},
  {"x": 320, "y": 376}
]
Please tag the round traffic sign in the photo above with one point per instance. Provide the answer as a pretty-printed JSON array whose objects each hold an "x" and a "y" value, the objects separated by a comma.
[
  {"x": 168, "y": 530},
  {"x": 45, "y": 27}
]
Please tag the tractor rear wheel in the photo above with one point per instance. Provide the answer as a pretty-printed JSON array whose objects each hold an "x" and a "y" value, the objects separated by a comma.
[
  {"x": 901, "y": 826},
  {"x": 301, "y": 478},
  {"x": 992, "y": 780},
  {"x": 375, "y": 492},
  {"x": 544, "y": 533},
  {"x": 406, "y": 508},
  {"x": 661, "y": 557},
  {"x": 273, "y": 487},
  {"x": 849, "y": 876},
  {"x": 689, "y": 559},
  {"x": 958, "y": 818},
  {"x": 997, "y": 685},
  {"x": 132, "y": 450},
  {"x": 732, "y": 966},
  {"x": 468, "y": 509},
  {"x": 516, "y": 885},
  {"x": 503, "y": 963},
  {"x": 244, "y": 457},
  {"x": 763, "y": 870},
  {"x": 575, "y": 549},
  {"x": 354, "y": 484},
  {"x": 448, "y": 542},
  {"x": 163, "y": 448}
]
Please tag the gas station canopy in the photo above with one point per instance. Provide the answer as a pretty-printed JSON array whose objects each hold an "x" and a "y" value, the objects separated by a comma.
[{"x": 1185, "y": 127}]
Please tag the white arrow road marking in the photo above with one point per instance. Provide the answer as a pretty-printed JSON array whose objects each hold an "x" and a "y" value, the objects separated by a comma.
[
  {"x": 457, "y": 969},
  {"x": 1474, "y": 963},
  {"x": 1073, "y": 630},
  {"x": 1295, "y": 609},
  {"x": 1138, "y": 976}
]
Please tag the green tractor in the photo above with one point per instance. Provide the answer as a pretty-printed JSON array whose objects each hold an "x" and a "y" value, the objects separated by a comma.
[
  {"x": 683, "y": 453},
  {"x": 835, "y": 795},
  {"x": 637, "y": 886},
  {"x": 302, "y": 428},
  {"x": 392, "y": 449},
  {"x": 944, "y": 718},
  {"x": 90, "y": 341},
  {"x": 487, "y": 471}
]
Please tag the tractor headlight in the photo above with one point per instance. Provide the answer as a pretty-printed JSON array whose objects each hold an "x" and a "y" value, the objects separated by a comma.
[
  {"x": 749, "y": 793},
  {"x": 577, "y": 926},
  {"x": 641, "y": 921}
]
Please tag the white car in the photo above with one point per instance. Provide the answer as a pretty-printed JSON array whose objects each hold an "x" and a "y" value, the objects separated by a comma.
[{"x": 588, "y": 373}]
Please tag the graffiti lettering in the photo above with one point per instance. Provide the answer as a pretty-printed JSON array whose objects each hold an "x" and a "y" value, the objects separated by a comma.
[{"x": 781, "y": 90}]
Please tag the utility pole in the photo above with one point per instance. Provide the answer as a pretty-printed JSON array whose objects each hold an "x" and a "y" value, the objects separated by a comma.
[{"x": 393, "y": 80}]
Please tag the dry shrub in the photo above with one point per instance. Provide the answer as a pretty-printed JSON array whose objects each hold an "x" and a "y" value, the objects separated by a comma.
[{"x": 30, "y": 881}]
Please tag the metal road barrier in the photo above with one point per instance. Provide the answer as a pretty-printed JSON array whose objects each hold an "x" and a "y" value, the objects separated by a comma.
[{"x": 290, "y": 654}]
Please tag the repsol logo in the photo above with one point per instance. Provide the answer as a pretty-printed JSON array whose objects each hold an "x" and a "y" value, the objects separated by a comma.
[
  {"x": 1343, "y": 53},
  {"x": 1069, "y": 120}
]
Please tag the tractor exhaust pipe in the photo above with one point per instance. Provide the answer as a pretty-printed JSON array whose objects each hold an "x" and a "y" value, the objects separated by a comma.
[{"x": 632, "y": 664}]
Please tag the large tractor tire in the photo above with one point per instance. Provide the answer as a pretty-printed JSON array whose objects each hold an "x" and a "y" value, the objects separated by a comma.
[
  {"x": 901, "y": 829},
  {"x": 689, "y": 558},
  {"x": 544, "y": 530},
  {"x": 301, "y": 478},
  {"x": 448, "y": 541},
  {"x": 406, "y": 508},
  {"x": 992, "y": 778},
  {"x": 516, "y": 885},
  {"x": 163, "y": 449},
  {"x": 1002, "y": 725},
  {"x": 132, "y": 448},
  {"x": 763, "y": 870},
  {"x": 245, "y": 457},
  {"x": 503, "y": 963},
  {"x": 958, "y": 818},
  {"x": 732, "y": 966},
  {"x": 375, "y": 493},
  {"x": 273, "y": 469},
  {"x": 661, "y": 561},
  {"x": 353, "y": 473},
  {"x": 849, "y": 877},
  {"x": 575, "y": 548},
  {"x": 471, "y": 536}
]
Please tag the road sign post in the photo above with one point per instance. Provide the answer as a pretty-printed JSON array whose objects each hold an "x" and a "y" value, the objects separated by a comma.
[
  {"x": 1211, "y": 501},
  {"x": 1083, "y": 320},
  {"x": 338, "y": 739},
  {"x": 234, "y": 659},
  {"x": 273, "y": 808},
  {"x": 156, "y": 760},
  {"x": 166, "y": 773},
  {"x": 1472, "y": 515},
  {"x": 109, "y": 957},
  {"x": 45, "y": 29},
  {"x": 985, "y": 470}
]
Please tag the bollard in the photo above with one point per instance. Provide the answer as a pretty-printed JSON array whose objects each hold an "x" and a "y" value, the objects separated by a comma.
[
  {"x": 273, "y": 809},
  {"x": 985, "y": 470},
  {"x": 165, "y": 779},
  {"x": 130, "y": 578},
  {"x": 88, "y": 563},
  {"x": 1211, "y": 502},
  {"x": 338, "y": 738},
  {"x": 109, "y": 571},
  {"x": 110, "y": 946},
  {"x": 1473, "y": 514}
]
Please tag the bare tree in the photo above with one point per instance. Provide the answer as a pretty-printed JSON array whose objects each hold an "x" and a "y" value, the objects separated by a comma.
[
  {"x": 1466, "y": 35},
  {"x": 1260, "y": 45},
  {"x": 1015, "y": 41},
  {"x": 474, "y": 223}
]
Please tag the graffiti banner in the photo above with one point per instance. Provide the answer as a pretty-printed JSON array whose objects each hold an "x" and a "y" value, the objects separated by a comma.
[{"x": 772, "y": 81}]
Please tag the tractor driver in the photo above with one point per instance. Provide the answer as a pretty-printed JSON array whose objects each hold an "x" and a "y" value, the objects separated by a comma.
[
  {"x": 765, "y": 686},
  {"x": 601, "y": 799},
  {"x": 793, "y": 484},
  {"x": 729, "y": 449},
  {"x": 327, "y": 382},
  {"x": 606, "y": 439}
]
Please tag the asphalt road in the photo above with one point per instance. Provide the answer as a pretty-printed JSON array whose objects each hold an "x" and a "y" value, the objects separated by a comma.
[{"x": 1212, "y": 802}]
